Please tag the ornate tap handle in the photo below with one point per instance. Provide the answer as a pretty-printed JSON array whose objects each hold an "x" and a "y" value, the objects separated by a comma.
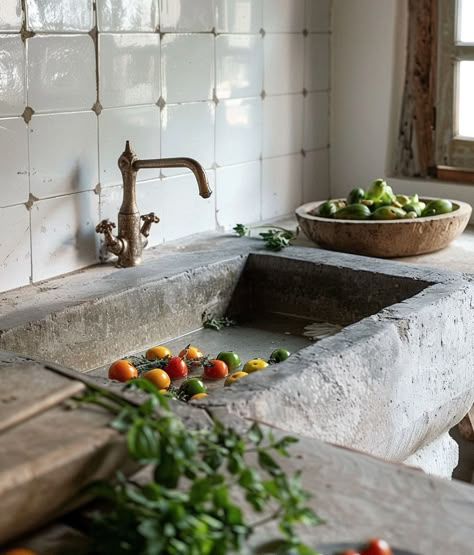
[
  {"x": 114, "y": 244},
  {"x": 148, "y": 219}
]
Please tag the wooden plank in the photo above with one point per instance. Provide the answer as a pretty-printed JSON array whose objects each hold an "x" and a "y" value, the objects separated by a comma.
[{"x": 29, "y": 389}]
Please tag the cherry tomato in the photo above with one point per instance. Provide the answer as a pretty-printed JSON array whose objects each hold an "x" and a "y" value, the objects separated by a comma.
[
  {"x": 279, "y": 355},
  {"x": 191, "y": 353},
  {"x": 377, "y": 547},
  {"x": 20, "y": 551},
  {"x": 350, "y": 552},
  {"x": 216, "y": 369},
  {"x": 230, "y": 358},
  {"x": 160, "y": 351},
  {"x": 122, "y": 371},
  {"x": 176, "y": 368},
  {"x": 158, "y": 377},
  {"x": 254, "y": 364},
  {"x": 234, "y": 377},
  {"x": 198, "y": 396},
  {"x": 190, "y": 388}
]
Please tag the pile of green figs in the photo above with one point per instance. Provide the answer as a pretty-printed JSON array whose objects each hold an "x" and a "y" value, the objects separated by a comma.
[{"x": 379, "y": 202}]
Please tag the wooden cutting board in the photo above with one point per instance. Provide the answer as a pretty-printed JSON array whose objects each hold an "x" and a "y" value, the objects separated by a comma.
[{"x": 48, "y": 452}]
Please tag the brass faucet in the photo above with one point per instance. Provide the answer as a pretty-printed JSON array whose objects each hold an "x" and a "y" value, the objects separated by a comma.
[{"x": 131, "y": 239}]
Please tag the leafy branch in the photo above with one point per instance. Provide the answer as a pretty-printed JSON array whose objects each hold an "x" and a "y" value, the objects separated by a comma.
[
  {"x": 276, "y": 238},
  {"x": 216, "y": 323},
  {"x": 187, "y": 507}
]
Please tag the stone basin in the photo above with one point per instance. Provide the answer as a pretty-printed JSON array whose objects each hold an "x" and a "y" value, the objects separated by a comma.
[{"x": 391, "y": 383}]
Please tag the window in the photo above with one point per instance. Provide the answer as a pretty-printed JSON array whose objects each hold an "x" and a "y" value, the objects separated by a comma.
[
  {"x": 436, "y": 135},
  {"x": 455, "y": 85}
]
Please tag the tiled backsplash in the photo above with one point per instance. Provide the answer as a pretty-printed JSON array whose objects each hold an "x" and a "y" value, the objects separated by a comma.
[{"x": 240, "y": 85}]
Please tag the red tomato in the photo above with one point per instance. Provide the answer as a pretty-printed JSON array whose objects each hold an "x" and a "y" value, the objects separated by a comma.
[
  {"x": 216, "y": 369},
  {"x": 377, "y": 547},
  {"x": 176, "y": 368},
  {"x": 350, "y": 552}
]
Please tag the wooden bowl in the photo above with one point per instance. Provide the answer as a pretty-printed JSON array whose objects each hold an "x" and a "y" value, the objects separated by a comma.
[{"x": 385, "y": 238}]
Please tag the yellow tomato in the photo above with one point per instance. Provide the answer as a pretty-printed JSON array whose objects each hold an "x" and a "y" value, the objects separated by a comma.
[
  {"x": 254, "y": 364},
  {"x": 191, "y": 353},
  {"x": 198, "y": 396},
  {"x": 160, "y": 351},
  {"x": 234, "y": 377},
  {"x": 158, "y": 377}
]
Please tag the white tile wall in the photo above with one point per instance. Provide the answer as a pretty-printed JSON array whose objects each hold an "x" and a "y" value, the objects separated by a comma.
[
  {"x": 10, "y": 16},
  {"x": 14, "y": 186},
  {"x": 59, "y": 16},
  {"x": 241, "y": 85},
  {"x": 12, "y": 76}
]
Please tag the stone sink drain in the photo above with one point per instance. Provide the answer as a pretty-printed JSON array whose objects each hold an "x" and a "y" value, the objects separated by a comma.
[{"x": 391, "y": 383}]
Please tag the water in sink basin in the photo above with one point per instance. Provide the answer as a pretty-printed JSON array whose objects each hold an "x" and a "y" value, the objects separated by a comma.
[{"x": 255, "y": 338}]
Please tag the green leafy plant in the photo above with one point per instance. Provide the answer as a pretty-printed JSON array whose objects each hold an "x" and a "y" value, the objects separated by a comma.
[
  {"x": 276, "y": 238},
  {"x": 187, "y": 507},
  {"x": 216, "y": 323}
]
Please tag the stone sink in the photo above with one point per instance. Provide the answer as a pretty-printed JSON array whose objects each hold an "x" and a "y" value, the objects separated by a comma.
[{"x": 391, "y": 383}]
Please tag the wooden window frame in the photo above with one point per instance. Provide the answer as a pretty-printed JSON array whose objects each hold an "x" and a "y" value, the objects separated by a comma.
[{"x": 451, "y": 151}]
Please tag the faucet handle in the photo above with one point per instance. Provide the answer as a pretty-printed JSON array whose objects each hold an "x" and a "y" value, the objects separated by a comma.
[
  {"x": 148, "y": 219},
  {"x": 105, "y": 227}
]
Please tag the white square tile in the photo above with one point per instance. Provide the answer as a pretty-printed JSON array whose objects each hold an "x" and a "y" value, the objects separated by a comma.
[
  {"x": 239, "y": 16},
  {"x": 186, "y": 15},
  {"x": 239, "y": 66},
  {"x": 318, "y": 16},
  {"x": 141, "y": 126},
  {"x": 129, "y": 69},
  {"x": 12, "y": 76},
  {"x": 63, "y": 234},
  {"x": 282, "y": 125},
  {"x": 59, "y": 16},
  {"x": 188, "y": 130},
  {"x": 235, "y": 185},
  {"x": 238, "y": 131},
  {"x": 149, "y": 199},
  {"x": 316, "y": 62},
  {"x": 127, "y": 15},
  {"x": 15, "y": 258},
  {"x": 183, "y": 212},
  {"x": 283, "y": 16},
  {"x": 63, "y": 153},
  {"x": 316, "y": 121},
  {"x": 14, "y": 186},
  {"x": 316, "y": 175},
  {"x": 61, "y": 73},
  {"x": 283, "y": 55},
  {"x": 187, "y": 67},
  {"x": 10, "y": 16},
  {"x": 282, "y": 185}
]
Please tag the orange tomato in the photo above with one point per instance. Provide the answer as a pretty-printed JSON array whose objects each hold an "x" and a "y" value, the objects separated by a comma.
[
  {"x": 122, "y": 371},
  {"x": 20, "y": 551},
  {"x": 198, "y": 396},
  {"x": 160, "y": 351},
  {"x": 191, "y": 353},
  {"x": 158, "y": 377}
]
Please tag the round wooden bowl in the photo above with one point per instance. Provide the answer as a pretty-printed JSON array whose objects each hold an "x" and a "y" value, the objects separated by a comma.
[{"x": 385, "y": 238}]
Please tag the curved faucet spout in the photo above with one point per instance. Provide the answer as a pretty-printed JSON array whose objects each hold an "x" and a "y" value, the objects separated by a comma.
[{"x": 190, "y": 163}]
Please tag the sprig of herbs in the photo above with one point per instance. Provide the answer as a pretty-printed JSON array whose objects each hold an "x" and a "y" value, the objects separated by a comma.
[
  {"x": 215, "y": 322},
  {"x": 188, "y": 507},
  {"x": 276, "y": 238}
]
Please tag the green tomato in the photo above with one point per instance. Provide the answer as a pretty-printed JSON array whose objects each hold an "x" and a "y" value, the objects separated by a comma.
[
  {"x": 230, "y": 358},
  {"x": 191, "y": 387},
  {"x": 279, "y": 355},
  {"x": 327, "y": 209}
]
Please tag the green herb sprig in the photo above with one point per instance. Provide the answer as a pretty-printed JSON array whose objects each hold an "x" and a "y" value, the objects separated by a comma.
[
  {"x": 188, "y": 506},
  {"x": 215, "y": 322},
  {"x": 276, "y": 238}
]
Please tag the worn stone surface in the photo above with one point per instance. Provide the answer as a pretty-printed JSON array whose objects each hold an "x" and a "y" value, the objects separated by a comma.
[
  {"x": 392, "y": 382},
  {"x": 438, "y": 458}
]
